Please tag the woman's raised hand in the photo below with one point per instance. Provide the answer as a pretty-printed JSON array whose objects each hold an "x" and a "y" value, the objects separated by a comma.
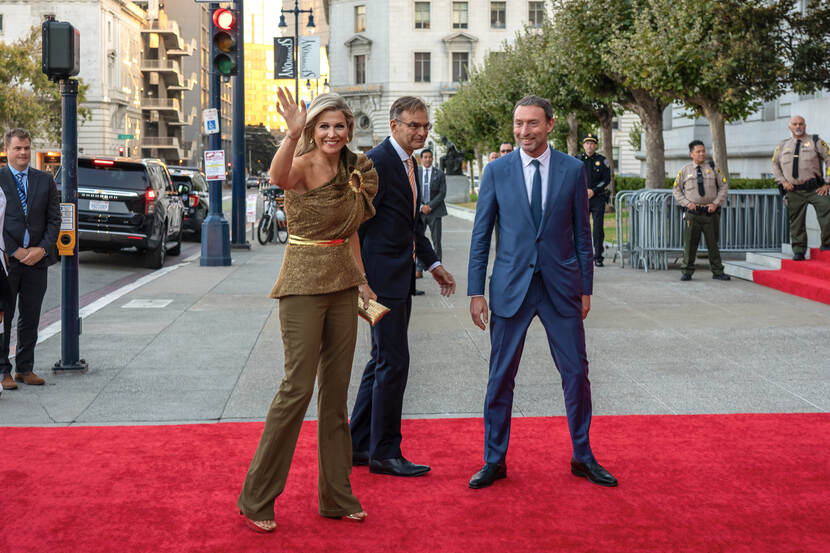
[{"x": 293, "y": 114}]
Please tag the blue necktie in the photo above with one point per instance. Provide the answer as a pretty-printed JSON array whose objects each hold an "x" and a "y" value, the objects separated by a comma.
[
  {"x": 21, "y": 191},
  {"x": 536, "y": 195}
]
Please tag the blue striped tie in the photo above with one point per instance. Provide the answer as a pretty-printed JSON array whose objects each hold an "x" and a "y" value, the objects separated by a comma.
[{"x": 21, "y": 191}]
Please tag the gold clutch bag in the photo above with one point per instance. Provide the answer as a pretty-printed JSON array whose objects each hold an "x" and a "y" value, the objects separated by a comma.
[{"x": 373, "y": 313}]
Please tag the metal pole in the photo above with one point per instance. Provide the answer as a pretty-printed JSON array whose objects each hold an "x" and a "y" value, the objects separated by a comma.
[
  {"x": 297, "y": 51},
  {"x": 216, "y": 244},
  {"x": 238, "y": 238},
  {"x": 70, "y": 320}
]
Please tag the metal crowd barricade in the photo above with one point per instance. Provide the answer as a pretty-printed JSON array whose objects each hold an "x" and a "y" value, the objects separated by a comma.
[{"x": 650, "y": 225}]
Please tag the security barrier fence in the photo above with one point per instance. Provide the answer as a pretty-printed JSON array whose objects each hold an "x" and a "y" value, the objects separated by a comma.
[{"x": 650, "y": 225}]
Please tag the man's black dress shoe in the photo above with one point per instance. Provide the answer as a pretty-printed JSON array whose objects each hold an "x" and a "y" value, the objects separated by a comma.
[
  {"x": 418, "y": 293},
  {"x": 598, "y": 263},
  {"x": 488, "y": 474},
  {"x": 360, "y": 458},
  {"x": 685, "y": 276},
  {"x": 798, "y": 256},
  {"x": 593, "y": 472},
  {"x": 397, "y": 466},
  {"x": 721, "y": 277}
]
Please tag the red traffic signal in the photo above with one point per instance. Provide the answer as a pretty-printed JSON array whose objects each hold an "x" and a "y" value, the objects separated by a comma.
[
  {"x": 225, "y": 19},
  {"x": 121, "y": 150}
]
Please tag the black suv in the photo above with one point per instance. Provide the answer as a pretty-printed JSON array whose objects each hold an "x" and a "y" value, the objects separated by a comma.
[
  {"x": 192, "y": 187},
  {"x": 125, "y": 203}
]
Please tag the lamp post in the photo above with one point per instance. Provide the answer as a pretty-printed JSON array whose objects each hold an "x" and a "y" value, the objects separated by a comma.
[{"x": 297, "y": 11}]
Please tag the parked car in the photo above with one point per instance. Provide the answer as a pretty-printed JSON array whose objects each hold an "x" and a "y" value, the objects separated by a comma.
[
  {"x": 252, "y": 182},
  {"x": 128, "y": 203},
  {"x": 192, "y": 187}
]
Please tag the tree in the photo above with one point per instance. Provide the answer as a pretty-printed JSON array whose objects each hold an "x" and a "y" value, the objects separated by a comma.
[
  {"x": 807, "y": 47},
  {"x": 30, "y": 100},
  {"x": 261, "y": 145},
  {"x": 582, "y": 32},
  {"x": 719, "y": 57}
]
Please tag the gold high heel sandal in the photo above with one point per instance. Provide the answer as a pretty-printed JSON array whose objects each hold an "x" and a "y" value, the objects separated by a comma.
[{"x": 260, "y": 526}]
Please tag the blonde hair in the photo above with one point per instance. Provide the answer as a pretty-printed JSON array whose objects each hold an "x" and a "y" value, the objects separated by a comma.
[{"x": 320, "y": 105}]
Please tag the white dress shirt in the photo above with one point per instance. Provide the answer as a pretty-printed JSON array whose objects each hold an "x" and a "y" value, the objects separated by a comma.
[{"x": 529, "y": 170}]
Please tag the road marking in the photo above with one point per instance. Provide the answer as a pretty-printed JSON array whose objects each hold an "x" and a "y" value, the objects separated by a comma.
[
  {"x": 146, "y": 304},
  {"x": 100, "y": 303}
]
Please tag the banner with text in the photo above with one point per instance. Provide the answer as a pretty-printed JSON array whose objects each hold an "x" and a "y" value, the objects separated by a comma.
[
  {"x": 310, "y": 57},
  {"x": 284, "y": 67}
]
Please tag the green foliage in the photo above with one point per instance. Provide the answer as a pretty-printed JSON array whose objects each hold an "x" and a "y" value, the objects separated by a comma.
[
  {"x": 635, "y": 136},
  {"x": 638, "y": 183},
  {"x": 261, "y": 144},
  {"x": 807, "y": 47},
  {"x": 28, "y": 99}
]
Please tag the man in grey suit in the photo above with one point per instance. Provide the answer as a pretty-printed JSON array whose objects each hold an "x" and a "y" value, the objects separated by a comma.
[{"x": 433, "y": 208}]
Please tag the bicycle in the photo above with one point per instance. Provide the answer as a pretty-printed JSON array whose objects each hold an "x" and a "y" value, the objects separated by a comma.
[{"x": 273, "y": 224}]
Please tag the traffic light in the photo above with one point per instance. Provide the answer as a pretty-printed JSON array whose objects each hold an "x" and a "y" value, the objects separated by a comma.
[
  {"x": 226, "y": 40},
  {"x": 121, "y": 151}
]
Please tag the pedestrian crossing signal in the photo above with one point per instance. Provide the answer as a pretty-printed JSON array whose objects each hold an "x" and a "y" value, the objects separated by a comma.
[{"x": 225, "y": 42}]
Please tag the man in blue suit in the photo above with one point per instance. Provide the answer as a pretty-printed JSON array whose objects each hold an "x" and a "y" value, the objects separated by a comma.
[
  {"x": 544, "y": 266},
  {"x": 389, "y": 242}
]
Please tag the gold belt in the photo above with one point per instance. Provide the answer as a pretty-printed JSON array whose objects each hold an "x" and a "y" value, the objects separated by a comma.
[{"x": 300, "y": 241}]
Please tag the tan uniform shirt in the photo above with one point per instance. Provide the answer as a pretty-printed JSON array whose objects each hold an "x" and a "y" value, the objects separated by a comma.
[
  {"x": 714, "y": 184},
  {"x": 809, "y": 160}
]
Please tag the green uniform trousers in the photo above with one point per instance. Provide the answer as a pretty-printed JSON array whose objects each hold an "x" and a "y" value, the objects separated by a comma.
[
  {"x": 797, "y": 201},
  {"x": 318, "y": 334},
  {"x": 709, "y": 226}
]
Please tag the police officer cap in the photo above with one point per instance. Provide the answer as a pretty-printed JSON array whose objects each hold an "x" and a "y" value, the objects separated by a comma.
[{"x": 590, "y": 137}]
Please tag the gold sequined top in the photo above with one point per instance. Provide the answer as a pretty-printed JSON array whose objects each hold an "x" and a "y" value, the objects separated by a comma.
[{"x": 331, "y": 212}]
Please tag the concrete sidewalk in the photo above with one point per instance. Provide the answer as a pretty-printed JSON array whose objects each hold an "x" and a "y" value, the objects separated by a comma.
[{"x": 209, "y": 349}]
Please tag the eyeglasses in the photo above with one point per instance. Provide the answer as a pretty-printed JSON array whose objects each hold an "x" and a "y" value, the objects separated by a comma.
[
  {"x": 505, "y": 151},
  {"x": 415, "y": 126}
]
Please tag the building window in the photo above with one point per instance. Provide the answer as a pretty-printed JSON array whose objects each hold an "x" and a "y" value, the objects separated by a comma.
[
  {"x": 535, "y": 13},
  {"x": 422, "y": 15},
  {"x": 460, "y": 62},
  {"x": 422, "y": 67},
  {"x": 360, "y": 69},
  {"x": 459, "y": 15},
  {"x": 359, "y": 19},
  {"x": 1, "y": 23},
  {"x": 498, "y": 18}
]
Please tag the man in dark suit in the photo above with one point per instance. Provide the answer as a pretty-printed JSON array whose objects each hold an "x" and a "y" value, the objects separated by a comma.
[
  {"x": 433, "y": 191},
  {"x": 389, "y": 242},
  {"x": 543, "y": 267},
  {"x": 30, "y": 233}
]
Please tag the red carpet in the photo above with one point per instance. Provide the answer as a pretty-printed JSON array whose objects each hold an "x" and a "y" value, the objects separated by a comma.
[
  {"x": 807, "y": 279},
  {"x": 709, "y": 483}
]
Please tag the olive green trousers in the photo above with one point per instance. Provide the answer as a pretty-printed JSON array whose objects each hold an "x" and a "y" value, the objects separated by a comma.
[
  {"x": 318, "y": 334},
  {"x": 797, "y": 201},
  {"x": 709, "y": 226}
]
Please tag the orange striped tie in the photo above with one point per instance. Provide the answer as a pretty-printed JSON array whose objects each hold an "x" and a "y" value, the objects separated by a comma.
[{"x": 410, "y": 172}]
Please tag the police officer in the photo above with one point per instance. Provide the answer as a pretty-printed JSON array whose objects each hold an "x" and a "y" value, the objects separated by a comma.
[
  {"x": 701, "y": 189},
  {"x": 796, "y": 165},
  {"x": 599, "y": 179}
]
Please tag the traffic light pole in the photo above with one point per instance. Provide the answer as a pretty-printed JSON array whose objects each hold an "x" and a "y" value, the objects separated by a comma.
[
  {"x": 70, "y": 320},
  {"x": 238, "y": 237},
  {"x": 216, "y": 247}
]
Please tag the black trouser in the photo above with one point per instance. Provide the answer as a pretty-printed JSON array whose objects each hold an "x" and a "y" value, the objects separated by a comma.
[
  {"x": 376, "y": 417},
  {"x": 597, "y": 207},
  {"x": 27, "y": 286}
]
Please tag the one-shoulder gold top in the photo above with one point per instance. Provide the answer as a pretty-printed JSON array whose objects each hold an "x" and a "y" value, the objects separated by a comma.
[{"x": 318, "y": 258}]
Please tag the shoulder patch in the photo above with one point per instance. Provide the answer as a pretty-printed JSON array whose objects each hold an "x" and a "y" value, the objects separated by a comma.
[{"x": 605, "y": 161}]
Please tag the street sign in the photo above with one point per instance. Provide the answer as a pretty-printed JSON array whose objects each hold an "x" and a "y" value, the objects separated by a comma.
[
  {"x": 211, "y": 118},
  {"x": 250, "y": 211},
  {"x": 215, "y": 164},
  {"x": 126, "y": 137}
]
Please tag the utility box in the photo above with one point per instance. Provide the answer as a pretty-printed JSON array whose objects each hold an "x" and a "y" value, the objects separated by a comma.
[{"x": 61, "y": 49}]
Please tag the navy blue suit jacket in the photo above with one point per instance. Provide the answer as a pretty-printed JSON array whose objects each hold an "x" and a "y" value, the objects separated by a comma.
[
  {"x": 386, "y": 239},
  {"x": 561, "y": 248}
]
